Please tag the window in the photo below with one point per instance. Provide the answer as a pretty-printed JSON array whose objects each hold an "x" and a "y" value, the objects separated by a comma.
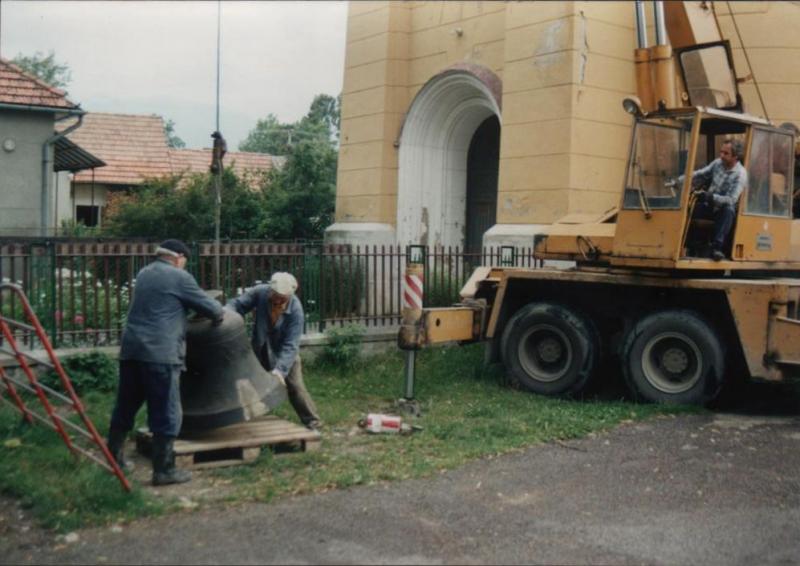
[
  {"x": 658, "y": 158},
  {"x": 769, "y": 173},
  {"x": 709, "y": 77},
  {"x": 88, "y": 215}
]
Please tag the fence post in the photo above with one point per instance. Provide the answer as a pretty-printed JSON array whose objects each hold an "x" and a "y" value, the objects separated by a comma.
[
  {"x": 41, "y": 280},
  {"x": 193, "y": 265},
  {"x": 51, "y": 319},
  {"x": 418, "y": 254},
  {"x": 311, "y": 284},
  {"x": 508, "y": 256}
]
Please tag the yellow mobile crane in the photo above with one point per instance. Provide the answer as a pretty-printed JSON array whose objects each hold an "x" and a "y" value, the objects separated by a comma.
[{"x": 642, "y": 287}]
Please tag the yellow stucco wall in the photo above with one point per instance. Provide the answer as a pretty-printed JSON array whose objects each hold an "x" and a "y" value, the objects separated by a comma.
[
  {"x": 375, "y": 97},
  {"x": 565, "y": 68},
  {"x": 770, "y": 34},
  {"x": 568, "y": 66}
]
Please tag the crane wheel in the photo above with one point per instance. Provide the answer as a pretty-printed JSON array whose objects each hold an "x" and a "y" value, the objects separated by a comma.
[
  {"x": 673, "y": 356},
  {"x": 549, "y": 349}
]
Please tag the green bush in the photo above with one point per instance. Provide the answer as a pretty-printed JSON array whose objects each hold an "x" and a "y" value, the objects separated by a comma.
[
  {"x": 92, "y": 371},
  {"x": 342, "y": 285},
  {"x": 344, "y": 345},
  {"x": 77, "y": 229},
  {"x": 441, "y": 288},
  {"x": 182, "y": 206}
]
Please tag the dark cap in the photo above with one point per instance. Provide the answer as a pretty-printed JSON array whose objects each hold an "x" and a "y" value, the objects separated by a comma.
[{"x": 175, "y": 246}]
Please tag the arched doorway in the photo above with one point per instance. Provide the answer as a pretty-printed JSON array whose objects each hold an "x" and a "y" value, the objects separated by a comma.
[
  {"x": 483, "y": 159},
  {"x": 433, "y": 162}
]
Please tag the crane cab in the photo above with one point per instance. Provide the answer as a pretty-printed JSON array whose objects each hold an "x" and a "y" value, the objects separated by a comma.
[{"x": 655, "y": 225}]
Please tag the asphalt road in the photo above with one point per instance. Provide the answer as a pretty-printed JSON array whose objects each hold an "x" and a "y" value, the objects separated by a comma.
[{"x": 718, "y": 488}]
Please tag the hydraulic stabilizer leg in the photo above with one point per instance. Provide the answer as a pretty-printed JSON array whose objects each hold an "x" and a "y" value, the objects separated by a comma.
[{"x": 410, "y": 326}]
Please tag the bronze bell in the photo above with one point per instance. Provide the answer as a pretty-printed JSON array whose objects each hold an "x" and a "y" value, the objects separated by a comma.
[{"x": 224, "y": 383}]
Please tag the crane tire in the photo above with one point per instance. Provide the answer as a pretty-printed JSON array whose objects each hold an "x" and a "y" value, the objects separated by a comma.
[
  {"x": 550, "y": 349},
  {"x": 673, "y": 356}
]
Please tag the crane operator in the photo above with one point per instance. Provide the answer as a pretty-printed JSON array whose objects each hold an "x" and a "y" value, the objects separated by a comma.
[{"x": 725, "y": 179}]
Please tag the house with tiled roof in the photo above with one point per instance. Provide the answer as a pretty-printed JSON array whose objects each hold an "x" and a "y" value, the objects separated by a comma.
[
  {"x": 35, "y": 160},
  {"x": 134, "y": 148}
]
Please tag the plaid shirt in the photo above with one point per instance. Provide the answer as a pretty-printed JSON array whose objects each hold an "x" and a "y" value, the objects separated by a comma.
[{"x": 726, "y": 185}]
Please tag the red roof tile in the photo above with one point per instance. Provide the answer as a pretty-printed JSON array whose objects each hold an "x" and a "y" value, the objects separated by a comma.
[
  {"x": 134, "y": 147},
  {"x": 18, "y": 87},
  {"x": 198, "y": 161}
]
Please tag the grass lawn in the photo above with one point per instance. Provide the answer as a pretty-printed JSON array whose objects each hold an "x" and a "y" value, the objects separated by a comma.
[{"x": 467, "y": 413}]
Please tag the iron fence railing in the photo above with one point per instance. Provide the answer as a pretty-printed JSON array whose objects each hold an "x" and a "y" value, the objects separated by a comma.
[{"x": 81, "y": 289}]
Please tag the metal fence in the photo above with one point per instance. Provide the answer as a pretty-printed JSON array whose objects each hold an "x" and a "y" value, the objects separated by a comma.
[{"x": 81, "y": 289}]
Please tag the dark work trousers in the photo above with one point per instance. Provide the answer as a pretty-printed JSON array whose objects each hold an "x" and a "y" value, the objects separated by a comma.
[
  {"x": 299, "y": 396},
  {"x": 156, "y": 384},
  {"x": 723, "y": 221}
]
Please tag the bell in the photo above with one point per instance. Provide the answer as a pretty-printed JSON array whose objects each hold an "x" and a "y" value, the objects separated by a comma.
[{"x": 224, "y": 383}]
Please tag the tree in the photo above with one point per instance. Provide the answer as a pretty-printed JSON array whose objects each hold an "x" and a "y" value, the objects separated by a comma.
[
  {"x": 270, "y": 136},
  {"x": 160, "y": 209},
  {"x": 274, "y": 137},
  {"x": 301, "y": 195},
  {"x": 326, "y": 110},
  {"x": 45, "y": 68},
  {"x": 173, "y": 140}
]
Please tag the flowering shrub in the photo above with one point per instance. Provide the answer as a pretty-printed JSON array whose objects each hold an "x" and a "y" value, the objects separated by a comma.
[{"x": 80, "y": 310}]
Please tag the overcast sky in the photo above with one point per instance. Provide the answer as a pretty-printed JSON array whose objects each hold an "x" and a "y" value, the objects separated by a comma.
[{"x": 143, "y": 57}]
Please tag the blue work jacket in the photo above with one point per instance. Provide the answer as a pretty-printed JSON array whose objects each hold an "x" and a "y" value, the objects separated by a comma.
[
  {"x": 156, "y": 327},
  {"x": 283, "y": 338}
]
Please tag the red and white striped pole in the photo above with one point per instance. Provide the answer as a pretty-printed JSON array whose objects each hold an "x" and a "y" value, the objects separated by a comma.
[{"x": 413, "y": 291}]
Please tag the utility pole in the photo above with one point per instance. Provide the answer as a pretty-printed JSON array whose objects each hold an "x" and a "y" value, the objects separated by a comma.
[{"x": 218, "y": 152}]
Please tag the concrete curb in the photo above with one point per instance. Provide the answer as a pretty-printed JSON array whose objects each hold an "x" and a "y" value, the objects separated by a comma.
[{"x": 311, "y": 345}]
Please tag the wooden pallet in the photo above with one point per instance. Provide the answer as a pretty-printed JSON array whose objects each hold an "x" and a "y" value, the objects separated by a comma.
[{"x": 235, "y": 444}]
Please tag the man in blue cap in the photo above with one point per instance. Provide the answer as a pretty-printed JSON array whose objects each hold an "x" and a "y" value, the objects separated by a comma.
[{"x": 152, "y": 354}]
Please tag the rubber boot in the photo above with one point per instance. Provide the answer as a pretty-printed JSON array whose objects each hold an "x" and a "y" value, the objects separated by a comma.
[
  {"x": 116, "y": 445},
  {"x": 164, "y": 471}
]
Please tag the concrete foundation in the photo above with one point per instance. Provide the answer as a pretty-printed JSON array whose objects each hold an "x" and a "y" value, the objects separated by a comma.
[{"x": 360, "y": 234}]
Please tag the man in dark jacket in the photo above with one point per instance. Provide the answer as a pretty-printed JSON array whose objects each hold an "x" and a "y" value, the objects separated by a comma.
[
  {"x": 277, "y": 330},
  {"x": 152, "y": 355}
]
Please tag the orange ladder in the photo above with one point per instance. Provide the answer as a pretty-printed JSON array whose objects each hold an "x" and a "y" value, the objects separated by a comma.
[{"x": 45, "y": 393}]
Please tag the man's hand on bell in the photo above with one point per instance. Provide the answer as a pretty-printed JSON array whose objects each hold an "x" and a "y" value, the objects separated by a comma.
[{"x": 280, "y": 377}]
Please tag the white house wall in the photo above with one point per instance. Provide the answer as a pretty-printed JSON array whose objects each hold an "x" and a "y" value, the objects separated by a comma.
[{"x": 21, "y": 170}]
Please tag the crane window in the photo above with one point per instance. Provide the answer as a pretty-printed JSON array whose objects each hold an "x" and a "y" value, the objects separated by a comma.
[
  {"x": 658, "y": 157},
  {"x": 709, "y": 76},
  {"x": 769, "y": 170}
]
